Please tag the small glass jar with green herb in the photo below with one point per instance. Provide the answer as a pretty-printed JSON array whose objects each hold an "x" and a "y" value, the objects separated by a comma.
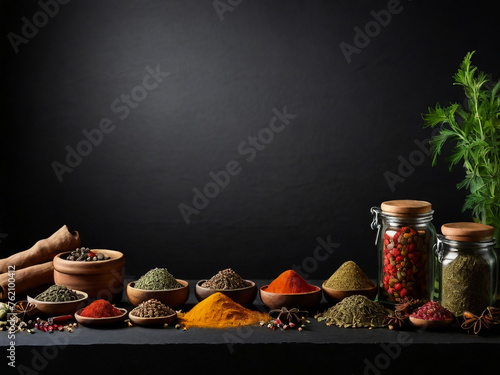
[{"x": 468, "y": 267}]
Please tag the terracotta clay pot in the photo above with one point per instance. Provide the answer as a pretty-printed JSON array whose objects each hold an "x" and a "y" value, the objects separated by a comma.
[{"x": 100, "y": 279}]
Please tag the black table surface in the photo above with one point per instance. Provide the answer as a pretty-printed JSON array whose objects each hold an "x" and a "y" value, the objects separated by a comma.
[{"x": 251, "y": 349}]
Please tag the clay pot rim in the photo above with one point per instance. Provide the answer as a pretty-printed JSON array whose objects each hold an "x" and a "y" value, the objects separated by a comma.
[
  {"x": 117, "y": 255},
  {"x": 73, "y": 267}
]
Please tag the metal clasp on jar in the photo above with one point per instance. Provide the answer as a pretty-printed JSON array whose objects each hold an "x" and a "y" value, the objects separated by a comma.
[
  {"x": 376, "y": 223},
  {"x": 438, "y": 247}
]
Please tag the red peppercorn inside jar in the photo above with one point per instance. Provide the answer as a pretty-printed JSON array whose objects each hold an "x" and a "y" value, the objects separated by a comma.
[{"x": 405, "y": 241}]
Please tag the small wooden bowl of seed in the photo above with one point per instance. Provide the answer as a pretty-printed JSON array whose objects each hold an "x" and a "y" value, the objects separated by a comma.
[{"x": 152, "y": 313}]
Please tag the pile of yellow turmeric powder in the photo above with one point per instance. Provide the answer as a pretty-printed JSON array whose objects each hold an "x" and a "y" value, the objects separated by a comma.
[{"x": 220, "y": 311}]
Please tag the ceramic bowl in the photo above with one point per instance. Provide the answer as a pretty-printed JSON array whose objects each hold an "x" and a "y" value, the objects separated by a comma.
[
  {"x": 333, "y": 295},
  {"x": 243, "y": 296},
  {"x": 173, "y": 298},
  {"x": 100, "y": 280},
  {"x": 303, "y": 301},
  {"x": 431, "y": 324},
  {"x": 100, "y": 321},
  {"x": 59, "y": 308},
  {"x": 170, "y": 319}
]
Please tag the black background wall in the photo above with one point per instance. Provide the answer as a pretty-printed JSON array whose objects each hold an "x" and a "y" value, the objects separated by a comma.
[{"x": 317, "y": 178}]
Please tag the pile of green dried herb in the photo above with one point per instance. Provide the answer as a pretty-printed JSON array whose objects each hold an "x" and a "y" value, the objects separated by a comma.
[
  {"x": 349, "y": 277},
  {"x": 58, "y": 293},
  {"x": 466, "y": 284},
  {"x": 226, "y": 279},
  {"x": 157, "y": 279},
  {"x": 355, "y": 311}
]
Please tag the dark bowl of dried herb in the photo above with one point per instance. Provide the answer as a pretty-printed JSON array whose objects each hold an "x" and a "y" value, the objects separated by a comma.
[
  {"x": 244, "y": 295},
  {"x": 174, "y": 298},
  {"x": 59, "y": 300},
  {"x": 231, "y": 284}
]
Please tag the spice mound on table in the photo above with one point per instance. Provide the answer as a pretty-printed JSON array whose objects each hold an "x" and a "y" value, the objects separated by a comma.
[
  {"x": 290, "y": 282},
  {"x": 58, "y": 293},
  {"x": 349, "y": 277},
  {"x": 152, "y": 308},
  {"x": 355, "y": 311},
  {"x": 157, "y": 279},
  {"x": 100, "y": 309},
  {"x": 220, "y": 311},
  {"x": 225, "y": 280}
]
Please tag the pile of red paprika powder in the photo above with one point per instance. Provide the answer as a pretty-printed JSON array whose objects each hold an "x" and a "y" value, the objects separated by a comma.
[
  {"x": 290, "y": 282},
  {"x": 100, "y": 309}
]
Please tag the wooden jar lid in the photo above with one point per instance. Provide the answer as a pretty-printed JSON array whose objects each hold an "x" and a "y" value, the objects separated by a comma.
[
  {"x": 469, "y": 232},
  {"x": 406, "y": 207}
]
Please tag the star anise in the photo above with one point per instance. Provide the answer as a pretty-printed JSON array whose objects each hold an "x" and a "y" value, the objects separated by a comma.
[
  {"x": 406, "y": 305},
  {"x": 288, "y": 317},
  {"x": 397, "y": 320},
  {"x": 478, "y": 324},
  {"x": 24, "y": 308}
]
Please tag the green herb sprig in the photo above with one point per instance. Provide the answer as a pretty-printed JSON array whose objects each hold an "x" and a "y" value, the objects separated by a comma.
[{"x": 475, "y": 133}]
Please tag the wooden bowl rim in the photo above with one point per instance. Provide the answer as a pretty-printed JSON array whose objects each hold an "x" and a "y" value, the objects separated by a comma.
[
  {"x": 40, "y": 303},
  {"x": 198, "y": 285},
  {"x": 374, "y": 287},
  {"x": 184, "y": 283},
  {"x": 262, "y": 289}
]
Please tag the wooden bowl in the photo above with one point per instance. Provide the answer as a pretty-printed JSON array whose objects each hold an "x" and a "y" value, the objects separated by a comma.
[
  {"x": 303, "y": 301},
  {"x": 173, "y": 298},
  {"x": 102, "y": 279},
  {"x": 243, "y": 296},
  {"x": 434, "y": 325},
  {"x": 334, "y": 296},
  {"x": 100, "y": 321},
  {"x": 60, "y": 308},
  {"x": 170, "y": 319}
]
